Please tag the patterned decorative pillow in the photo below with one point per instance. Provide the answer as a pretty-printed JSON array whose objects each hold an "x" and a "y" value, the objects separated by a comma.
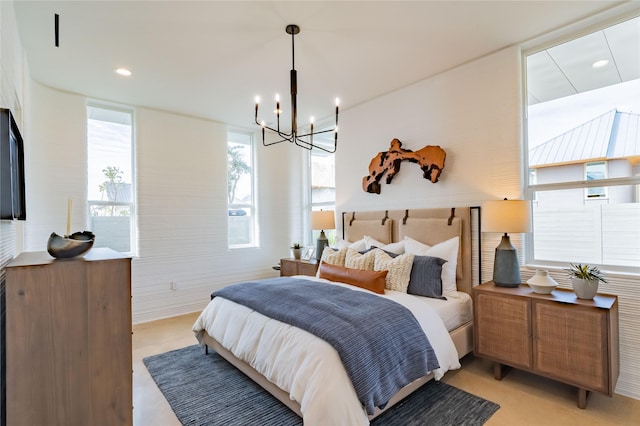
[
  {"x": 356, "y": 260},
  {"x": 334, "y": 257},
  {"x": 399, "y": 268}
]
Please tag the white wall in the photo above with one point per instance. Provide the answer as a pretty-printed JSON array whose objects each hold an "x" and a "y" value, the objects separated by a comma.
[
  {"x": 472, "y": 112},
  {"x": 181, "y": 201}
]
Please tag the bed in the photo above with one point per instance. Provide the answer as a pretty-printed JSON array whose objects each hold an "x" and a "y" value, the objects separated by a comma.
[{"x": 305, "y": 372}]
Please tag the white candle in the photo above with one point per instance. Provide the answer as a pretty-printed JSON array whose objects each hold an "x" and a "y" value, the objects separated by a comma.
[{"x": 69, "y": 217}]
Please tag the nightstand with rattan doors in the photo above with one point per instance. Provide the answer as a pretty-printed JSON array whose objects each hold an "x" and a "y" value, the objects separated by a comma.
[
  {"x": 555, "y": 335},
  {"x": 289, "y": 267}
]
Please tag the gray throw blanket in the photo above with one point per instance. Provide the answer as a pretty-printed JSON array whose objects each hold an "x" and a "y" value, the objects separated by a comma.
[{"x": 380, "y": 342}]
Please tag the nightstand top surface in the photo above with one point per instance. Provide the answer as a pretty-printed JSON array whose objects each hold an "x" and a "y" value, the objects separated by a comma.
[
  {"x": 312, "y": 261},
  {"x": 561, "y": 295}
]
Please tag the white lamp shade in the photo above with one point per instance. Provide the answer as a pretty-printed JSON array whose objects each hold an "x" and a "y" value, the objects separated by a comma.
[
  {"x": 506, "y": 216},
  {"x": 323, "y": 219}
]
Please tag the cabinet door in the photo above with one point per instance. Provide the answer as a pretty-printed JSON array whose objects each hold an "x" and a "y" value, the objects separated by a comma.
[
  {"x": 288, "y": 267},
  {"x": 503, "y": 329},
  {"x": 109, "y": 341},
  {"x": 46, "y": 334},
  {"x": 570, "y": 344},
  {"x": 307, "y": 268}
]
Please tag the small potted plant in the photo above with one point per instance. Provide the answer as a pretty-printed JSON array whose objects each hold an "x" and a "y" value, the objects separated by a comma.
[
  {"x": 296, "y": 249},
  {"x": 585, "y": 279}
]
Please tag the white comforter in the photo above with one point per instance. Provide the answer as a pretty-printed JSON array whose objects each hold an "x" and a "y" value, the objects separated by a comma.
[{"x": 306, "y": 367}]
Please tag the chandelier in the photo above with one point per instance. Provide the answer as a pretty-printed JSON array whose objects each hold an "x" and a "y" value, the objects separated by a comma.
[{"x": 304, "y": 140}]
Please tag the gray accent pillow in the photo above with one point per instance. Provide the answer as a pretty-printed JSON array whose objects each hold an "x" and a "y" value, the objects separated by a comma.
[{"x": 426, "y": 277}]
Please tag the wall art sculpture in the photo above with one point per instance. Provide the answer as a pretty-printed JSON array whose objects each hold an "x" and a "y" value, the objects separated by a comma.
[{"x": 430, "y": 159}]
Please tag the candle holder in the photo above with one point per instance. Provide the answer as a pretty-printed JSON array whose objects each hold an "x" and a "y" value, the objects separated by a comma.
[{"x": 69, "y": 246}]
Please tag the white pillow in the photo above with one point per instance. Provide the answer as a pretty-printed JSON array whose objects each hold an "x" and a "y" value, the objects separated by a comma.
[
  {"x": 447, "y": 250},
  {"x": 399, "y": 269},
  {"x": 355, "y": 260},
  {"x": 340, "y": 243},
  {"x": 357, "y": 246},
  {"x": 397, "y": 248},
  {"x": 371, "y": 242}
]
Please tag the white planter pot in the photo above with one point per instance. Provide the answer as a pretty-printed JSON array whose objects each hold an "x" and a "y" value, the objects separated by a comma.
[
  {"x": 296, "y": 253},
  {"x": 584, "y": 289}
]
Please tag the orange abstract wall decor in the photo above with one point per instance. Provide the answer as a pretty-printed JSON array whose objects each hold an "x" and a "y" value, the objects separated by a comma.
[{"x": 430, "y": 159}]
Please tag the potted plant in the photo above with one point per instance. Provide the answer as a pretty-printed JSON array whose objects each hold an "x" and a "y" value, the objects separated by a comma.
[
  {"x": 296, "y": 249},
  {"x": 585, "y": 279}
]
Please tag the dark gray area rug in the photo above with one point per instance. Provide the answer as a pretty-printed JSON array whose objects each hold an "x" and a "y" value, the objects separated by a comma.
[{"x": 207, "y": 390}]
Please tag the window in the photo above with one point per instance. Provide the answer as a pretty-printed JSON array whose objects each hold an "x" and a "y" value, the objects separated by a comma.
[
  {"x": 240, "y": 193},
  {"x": 595, "y": 171},
  {"x": 110, "y": 174},
  {"x": 584, "y": 178},
  {"x": 323, "y": 184}
]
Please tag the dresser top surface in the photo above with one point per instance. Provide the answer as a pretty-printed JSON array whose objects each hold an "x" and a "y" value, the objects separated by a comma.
[{"x": 31, "y": 258}]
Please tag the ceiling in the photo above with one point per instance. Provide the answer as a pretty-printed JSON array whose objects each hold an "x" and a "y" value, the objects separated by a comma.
[
  {"x": 210, "y": 59},
  {"x": 568, "y": 68}
]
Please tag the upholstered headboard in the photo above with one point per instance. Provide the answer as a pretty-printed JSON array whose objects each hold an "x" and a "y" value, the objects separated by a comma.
[{"x": 429, "y": 226}]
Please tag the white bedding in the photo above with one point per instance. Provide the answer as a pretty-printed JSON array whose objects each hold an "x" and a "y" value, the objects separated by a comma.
[
  {"x": 457, "y": 310},
  {"x": 306, "y": 367}
]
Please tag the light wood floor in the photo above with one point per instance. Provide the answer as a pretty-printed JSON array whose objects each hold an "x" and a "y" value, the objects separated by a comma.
[{"x": 525, "y": 399}]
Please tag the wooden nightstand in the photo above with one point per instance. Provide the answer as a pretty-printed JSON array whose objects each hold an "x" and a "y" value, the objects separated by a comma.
[
  {"x": 290, "y": 267},
  {"x": 555, "y": 335}
]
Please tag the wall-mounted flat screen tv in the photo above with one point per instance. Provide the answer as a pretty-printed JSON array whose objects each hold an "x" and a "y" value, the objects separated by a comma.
[{"x": 12, "y": 193}]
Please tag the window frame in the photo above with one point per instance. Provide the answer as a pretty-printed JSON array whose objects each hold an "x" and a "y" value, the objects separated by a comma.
[
  {"x": 323, "y": 205},
  {"x": 531, "y": 190},
  {"x": 132, "y": 205},
  {"x": 252, "y": 207},
  {"x": 604, "y": 193}
]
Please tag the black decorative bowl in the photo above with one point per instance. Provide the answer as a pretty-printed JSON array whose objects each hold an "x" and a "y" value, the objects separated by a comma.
[{"x": 70, "y": 246}]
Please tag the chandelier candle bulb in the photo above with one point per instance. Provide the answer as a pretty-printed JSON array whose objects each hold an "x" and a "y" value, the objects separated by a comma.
[{"x": 257, "y": 102}]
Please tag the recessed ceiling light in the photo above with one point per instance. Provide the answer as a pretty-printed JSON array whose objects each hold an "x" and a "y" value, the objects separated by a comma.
[
  {"x": 601, "y": 63},
  {"x": 123, "y": 71}
]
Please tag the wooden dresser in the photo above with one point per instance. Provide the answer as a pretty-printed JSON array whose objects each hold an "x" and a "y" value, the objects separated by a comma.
[
  {"x": 557, "y": 335},
  {"x": 68, "y": 339},
  {"x": 290, "y": 267}
]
